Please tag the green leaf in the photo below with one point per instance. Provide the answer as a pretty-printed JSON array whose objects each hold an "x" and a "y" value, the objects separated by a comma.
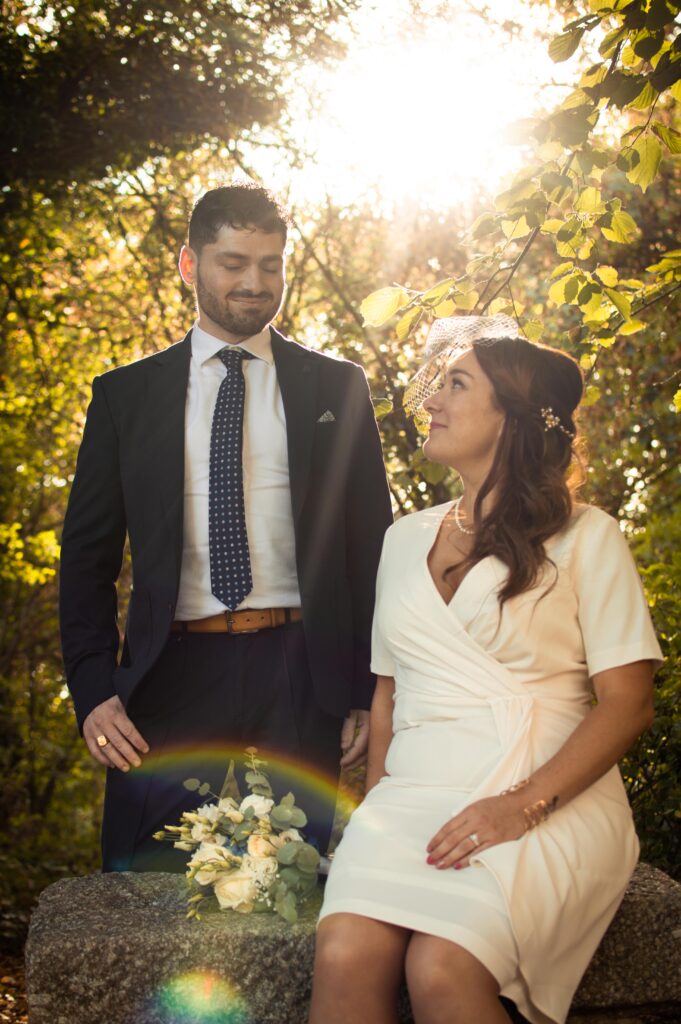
[
  {"x": 644, "y": 170},
  {"x": 191, "y": 784},
  {"x": 256, "y": 779},
  {"x": 670, "y": 136},
  {"x": 382, "y": 407},
  {"x": 307, "y": 858},
  {"x": 532, "y": 329},
  {"x": 281, "y": 815},
  {"x": 513, "y": 229},
  {"x": 647, "y": 45},
  {"x": 564, "y": 290},
  {"x": 563, "y": 46},
  {"x": 287, "y": 854},
  {"x": 622, "y": 228},
  {"x": 437, "y": 293},
  {"x": 608, "y": 275},
  {"x": 631, "y": 327},
  {"x": 621, "y": 303},
  {"x": 298, "y": 818},
  {"x": 408, "y": 322},
  {"x": 500, "y": 305},
  {"x": 645, "y": 98},
  {"x": 485, "y": 224},
  {"x": 381, "y": 305},
  {"x": 591, "y": 395},
  {"x": 466, "y": 300},
  {"x": 590, "y": 201},
  {"x": 561, "y": 270},
  {"x": 203, "y": 789}
]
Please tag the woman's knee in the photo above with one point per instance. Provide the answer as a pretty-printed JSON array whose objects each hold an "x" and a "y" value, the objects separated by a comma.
[
  {"x": 437, "y": 968},
  {"x": 347, "y": 945}
]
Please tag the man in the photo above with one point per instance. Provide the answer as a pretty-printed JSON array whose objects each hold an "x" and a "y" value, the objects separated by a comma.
[{"x": 247, "y": 474}]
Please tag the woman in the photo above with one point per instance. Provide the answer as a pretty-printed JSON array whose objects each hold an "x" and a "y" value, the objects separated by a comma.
[{"x": 495, "y": 842}]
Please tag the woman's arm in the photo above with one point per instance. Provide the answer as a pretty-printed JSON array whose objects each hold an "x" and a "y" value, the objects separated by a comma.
[
  {"x": 380, "y": 729},
  {"x": 623, "y": 712}
]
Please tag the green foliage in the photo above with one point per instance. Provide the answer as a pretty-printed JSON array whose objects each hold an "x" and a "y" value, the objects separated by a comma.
[
  {"x": 652, "y": 770},
  {"x": 565, "y": 190},
  {"x": 99, "y": 86}
]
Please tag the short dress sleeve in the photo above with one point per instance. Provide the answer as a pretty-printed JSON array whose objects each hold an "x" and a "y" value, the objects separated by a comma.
[
  {"x": 612, "y": 608},
  {"x": 382, "y": 662}
]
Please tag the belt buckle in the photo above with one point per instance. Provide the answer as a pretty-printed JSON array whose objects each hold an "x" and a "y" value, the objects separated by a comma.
[{"x": 229, "y": 617}]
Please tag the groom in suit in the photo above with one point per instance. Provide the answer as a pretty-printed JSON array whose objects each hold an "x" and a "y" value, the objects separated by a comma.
[{"x": 246, "y": 472}]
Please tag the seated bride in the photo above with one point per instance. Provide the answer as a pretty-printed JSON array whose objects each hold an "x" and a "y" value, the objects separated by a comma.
[{"x": 515, "y": 657}]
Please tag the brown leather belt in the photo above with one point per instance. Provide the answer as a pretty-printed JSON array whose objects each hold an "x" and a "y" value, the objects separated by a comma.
[{"x": 250, "y": 620}]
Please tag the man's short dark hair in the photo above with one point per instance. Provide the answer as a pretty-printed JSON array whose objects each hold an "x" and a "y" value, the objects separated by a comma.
[{"x": 244, "y": 205}]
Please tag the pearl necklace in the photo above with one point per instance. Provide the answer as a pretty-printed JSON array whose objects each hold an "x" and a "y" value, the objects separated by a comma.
[{"x": 457, "y": 519}]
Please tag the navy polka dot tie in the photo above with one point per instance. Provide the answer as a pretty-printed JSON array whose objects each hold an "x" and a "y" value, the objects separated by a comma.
[{"x": 230, "y": 563}]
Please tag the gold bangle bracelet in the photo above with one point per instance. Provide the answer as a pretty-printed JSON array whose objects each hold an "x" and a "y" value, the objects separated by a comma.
[{"x": 514, "y": 788}]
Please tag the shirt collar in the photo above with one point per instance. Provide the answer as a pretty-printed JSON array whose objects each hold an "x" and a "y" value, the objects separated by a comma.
[{"x": 205, "y": 346}]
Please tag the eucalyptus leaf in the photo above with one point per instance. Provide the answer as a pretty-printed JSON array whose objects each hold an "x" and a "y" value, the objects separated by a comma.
[
  {"x": 192, "y": 784},
  {"x": 298, "y": 818},
  {"x": 287, "y": 854}
]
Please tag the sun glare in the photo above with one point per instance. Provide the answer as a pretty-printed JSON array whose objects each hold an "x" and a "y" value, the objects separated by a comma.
[{"x": 420, "y": 110}]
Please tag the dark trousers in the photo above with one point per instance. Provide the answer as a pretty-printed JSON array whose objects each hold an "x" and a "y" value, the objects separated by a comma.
[{"x": 209, "y": 697}]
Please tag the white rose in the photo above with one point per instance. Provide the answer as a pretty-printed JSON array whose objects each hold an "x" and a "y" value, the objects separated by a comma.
[
  {"x": 235, "y": 890},
  {"x": 260, "y": 846},
  {"x": 263, "y": 869},
  {"x": 291, "y": 835},
  {"x": 261, "y": 805}
]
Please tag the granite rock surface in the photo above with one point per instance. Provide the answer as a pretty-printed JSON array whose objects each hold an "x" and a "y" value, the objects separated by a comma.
[{"x": 118, "y": 948}]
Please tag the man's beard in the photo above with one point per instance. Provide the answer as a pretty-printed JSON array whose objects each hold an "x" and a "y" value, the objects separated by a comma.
[{"x": 244, "y": 324}]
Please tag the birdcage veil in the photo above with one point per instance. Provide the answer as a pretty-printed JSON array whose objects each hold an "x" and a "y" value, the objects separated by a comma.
[{"x": 447, "y": 337}]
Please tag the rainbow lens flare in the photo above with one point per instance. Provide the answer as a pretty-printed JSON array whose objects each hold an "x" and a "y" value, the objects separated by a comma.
[{"x": 201, "y": 997}]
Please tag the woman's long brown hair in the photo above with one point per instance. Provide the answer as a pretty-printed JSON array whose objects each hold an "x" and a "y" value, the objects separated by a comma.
[{"x": 533, "y": 497}]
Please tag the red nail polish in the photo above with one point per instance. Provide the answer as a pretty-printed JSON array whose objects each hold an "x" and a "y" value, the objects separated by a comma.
[
  {"x": 457, "y": 867},
  {"x": 430, "y": 860}
]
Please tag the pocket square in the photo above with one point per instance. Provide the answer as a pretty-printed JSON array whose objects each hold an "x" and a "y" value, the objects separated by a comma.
[{"x": 327, "y": 417}]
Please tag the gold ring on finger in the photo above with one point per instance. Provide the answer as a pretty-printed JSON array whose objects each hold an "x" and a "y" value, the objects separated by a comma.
[
  {"x": 474, "y": 838},
  {"x": 102, "y": 740}
]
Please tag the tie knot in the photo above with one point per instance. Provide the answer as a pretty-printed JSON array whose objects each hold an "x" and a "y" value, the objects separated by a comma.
[{"x": 232, "y": 356}]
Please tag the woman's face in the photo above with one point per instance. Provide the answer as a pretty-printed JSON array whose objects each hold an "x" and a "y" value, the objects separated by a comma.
[{"x": 465, "y": 419}]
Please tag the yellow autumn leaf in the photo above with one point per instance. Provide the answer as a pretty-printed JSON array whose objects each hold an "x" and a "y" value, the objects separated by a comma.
[{"x": 382, "y": 304}]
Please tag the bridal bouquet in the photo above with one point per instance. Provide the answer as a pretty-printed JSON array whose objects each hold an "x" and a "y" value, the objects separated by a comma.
[{"x": 247, "y": 852}]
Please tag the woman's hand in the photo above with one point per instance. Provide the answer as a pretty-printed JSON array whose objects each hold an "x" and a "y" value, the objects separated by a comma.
[{"x": 496, "y": 819}]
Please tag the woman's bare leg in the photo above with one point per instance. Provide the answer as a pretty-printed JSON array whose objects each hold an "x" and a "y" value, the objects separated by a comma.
[
  {"x": 448, "y": 985},
  {"x": 359, "y": 964}
]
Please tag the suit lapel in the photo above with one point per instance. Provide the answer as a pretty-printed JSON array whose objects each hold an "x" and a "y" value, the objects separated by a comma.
[
  {"x": 168, "y": 379},
  {"x": 297, "y": 373}
]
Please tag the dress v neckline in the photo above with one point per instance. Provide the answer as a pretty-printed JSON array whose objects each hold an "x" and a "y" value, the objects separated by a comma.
[{"x": 438, "y": 528}]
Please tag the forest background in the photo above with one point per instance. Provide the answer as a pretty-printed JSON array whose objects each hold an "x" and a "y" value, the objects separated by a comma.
[{"x": 116, "y": 116}]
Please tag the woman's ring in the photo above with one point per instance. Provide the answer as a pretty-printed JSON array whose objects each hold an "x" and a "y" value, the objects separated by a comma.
[
  {"x": 474, "y": 838},
  {"x": 102, "y": 740}
]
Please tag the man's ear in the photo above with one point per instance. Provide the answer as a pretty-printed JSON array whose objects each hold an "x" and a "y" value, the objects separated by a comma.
[{"x": 187, "y": 264}]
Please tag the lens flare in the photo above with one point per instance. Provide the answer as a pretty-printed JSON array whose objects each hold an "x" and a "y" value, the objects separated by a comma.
[{"x": 201, "y": 997}]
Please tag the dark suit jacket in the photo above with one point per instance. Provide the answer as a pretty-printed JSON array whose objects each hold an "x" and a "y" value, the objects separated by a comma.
[{"x": 129, "y": 479}]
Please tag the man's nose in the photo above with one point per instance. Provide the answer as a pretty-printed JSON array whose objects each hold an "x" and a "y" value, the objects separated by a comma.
[{"x": 252, "y": 279}]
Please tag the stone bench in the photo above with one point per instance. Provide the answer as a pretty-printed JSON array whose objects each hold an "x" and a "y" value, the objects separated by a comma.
[{"x": 118, "y": 949}]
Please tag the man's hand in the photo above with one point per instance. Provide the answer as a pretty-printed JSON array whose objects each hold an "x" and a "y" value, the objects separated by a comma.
[
  {"x": 354, "y": 739},
  {"x": 110, "y": 720}
]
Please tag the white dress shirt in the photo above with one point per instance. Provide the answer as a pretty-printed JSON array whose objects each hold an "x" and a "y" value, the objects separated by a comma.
[{"x": 267, "y": 492}]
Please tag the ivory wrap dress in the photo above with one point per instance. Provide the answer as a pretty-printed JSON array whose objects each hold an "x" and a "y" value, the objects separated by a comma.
[{"x": 481, "y": 701}]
